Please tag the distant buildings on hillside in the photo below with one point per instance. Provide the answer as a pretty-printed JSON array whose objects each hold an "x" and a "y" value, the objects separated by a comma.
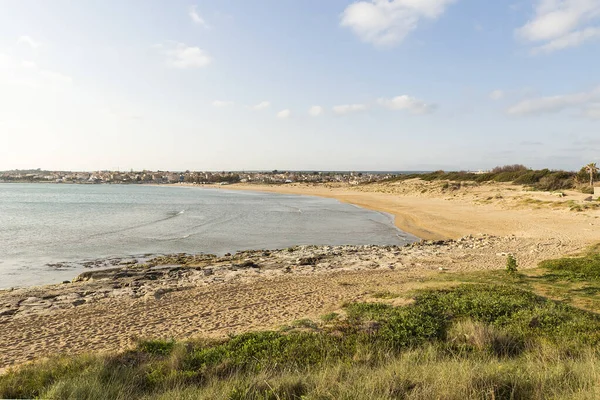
[{"x": 197, "y": 177}]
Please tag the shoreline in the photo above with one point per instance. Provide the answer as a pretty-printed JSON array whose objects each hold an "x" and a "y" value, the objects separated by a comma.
[
  {"x": 402, "y": 220},
  {"x": 184, "y": 296},
  {"x": 452, "y": 216}
]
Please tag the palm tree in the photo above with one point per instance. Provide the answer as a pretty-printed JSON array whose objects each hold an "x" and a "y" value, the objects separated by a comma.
[{"x": 592, "y": 169}]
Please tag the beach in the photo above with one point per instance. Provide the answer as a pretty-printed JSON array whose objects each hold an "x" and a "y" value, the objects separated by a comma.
[
  {"x": 185, "y": 296},
  {"x": 430, "y": 212}
]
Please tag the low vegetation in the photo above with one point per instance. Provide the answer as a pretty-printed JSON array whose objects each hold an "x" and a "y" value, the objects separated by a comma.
[
  {"x": 468, "y": 341},
  {"x": 545, "y": 179},
  {"x": 585, "y": 268},
  {"x": 463, "y": 336}
]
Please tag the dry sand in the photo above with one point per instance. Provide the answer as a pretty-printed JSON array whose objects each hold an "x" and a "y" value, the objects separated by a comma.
[{"x": 542, "y": 225}]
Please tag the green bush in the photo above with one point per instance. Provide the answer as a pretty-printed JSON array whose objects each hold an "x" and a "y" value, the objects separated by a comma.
[
  {"x": 157, "y": 347},
  {"x": 511, "y": 264},
  {"x": 501, "y": 323},
  {"x": 544, "y": 179},
  {"x": 585, "y": 268}
]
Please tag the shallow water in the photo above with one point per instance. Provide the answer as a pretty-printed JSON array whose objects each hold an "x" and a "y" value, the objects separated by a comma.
[{"x": 43, "y": 224}]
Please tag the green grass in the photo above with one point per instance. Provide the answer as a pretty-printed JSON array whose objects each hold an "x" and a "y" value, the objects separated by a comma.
[
  {"x": 385, "y": 295},
  {"x": 545, "y": 179},
  {"x": 329, "y": 317},
  {"x": 584, "y": 268},
  {"x": 469, "y": 341}
]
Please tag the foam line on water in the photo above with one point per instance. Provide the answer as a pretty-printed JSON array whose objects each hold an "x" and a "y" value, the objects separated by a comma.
[{"x": 171, "y": 215}]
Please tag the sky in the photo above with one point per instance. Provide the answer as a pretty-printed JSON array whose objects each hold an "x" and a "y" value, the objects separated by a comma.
[{"x": 299, "y": 84}]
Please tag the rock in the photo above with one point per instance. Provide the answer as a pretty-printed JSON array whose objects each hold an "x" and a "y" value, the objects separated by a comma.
[
  {"x": 247, "y": 264},
  {"x": 78, "y": 302},
  {"x": 30, "y": 300},
  {"x": 308, "y": 261},
  {"x": 157, "y": 294},
  {"x": 8, "y": 313}
]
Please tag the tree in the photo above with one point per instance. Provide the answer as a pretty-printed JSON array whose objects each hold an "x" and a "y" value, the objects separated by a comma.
[{"x": 592, "y": 169}]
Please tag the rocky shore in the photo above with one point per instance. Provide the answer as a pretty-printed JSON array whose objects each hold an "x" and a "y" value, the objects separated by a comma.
[{"x": 157, "y": 277}]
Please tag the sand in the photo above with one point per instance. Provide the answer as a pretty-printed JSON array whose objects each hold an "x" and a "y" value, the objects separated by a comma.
[
  {"x": 426, "y": 211},
  {"x": 534, "y": 226}
]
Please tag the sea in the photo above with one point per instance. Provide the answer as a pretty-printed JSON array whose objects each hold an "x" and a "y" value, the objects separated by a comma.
[{"x": 52, "y": 232}]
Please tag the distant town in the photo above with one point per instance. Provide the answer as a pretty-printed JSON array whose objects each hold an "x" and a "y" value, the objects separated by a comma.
[{"x": 192, "y": 177}]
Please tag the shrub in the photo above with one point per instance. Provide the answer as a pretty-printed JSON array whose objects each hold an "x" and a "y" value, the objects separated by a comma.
[
  {"x": 510, "y": 168},
  {"x": 585, "y": 268},
  {"x": 157, "y": 347},
  {"x": 511, "y": 264},
  {"x": 475, "y": 328}
]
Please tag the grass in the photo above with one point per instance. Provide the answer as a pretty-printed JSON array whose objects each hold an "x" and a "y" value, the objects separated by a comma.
[
  {"x": 545, "y": 179},
  {"x": 488, "y": 341},
  {"x": 464, "y": 336},
  {"x": 385, "y": 295},
  {"x": 583, "y": 268}
]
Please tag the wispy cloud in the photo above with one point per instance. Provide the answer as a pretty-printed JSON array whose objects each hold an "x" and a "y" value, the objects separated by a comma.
[
  {"x": 182, "y": 56},
  {"x": 531, "y": 143},
  {"x": 592, "y": 111},
  {"x": 349, "y": 108},
  {"x": 582, "y": 101},
  {"x": 27, "y": 73},
  {"x": 28, "y": 41},
  {"x": 388, "y": 22},
  {"x": 197, "y": 18},
  {"x": 407, "y": 103},
  {"x": 284, "y": 114},
  {"x": 261, "y": 106},
  {"x": 560, "y": 24},
  {"x": 222, "y": 103},
  {"x": 315, "y": 111},
  {"x": 497, "y": 94}
]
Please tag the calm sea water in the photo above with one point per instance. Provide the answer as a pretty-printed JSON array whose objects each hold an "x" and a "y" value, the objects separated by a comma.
[{"x": 42, "y": 224}]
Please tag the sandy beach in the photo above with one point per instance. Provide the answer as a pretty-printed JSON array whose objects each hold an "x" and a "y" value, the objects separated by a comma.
[
  {"x": 430, "y": 212},
  {"x": 264, "y": 290}
]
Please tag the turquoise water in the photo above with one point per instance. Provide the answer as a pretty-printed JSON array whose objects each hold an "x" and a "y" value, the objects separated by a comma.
[{"x": 45, "y": 224}]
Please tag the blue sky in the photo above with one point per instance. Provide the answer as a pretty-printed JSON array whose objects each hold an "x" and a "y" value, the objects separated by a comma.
[{"x": 299, "y": 84}]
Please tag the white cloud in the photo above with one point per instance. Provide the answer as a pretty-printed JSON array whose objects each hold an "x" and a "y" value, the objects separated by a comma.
[
  {"x": 388, "y": 22},
  {"x": 573, "y": 39},
  {"x": 27, "y": 40},
  {"x": 497, "y": 95},
  {"x": 349, "y": 108},
  {"x": 593, "y": 111},
  {"x": 555, "y": 104},
  {"x": 181, "y": 56},
  {"x": 17, "y": 72},
  {"x": 222, "y": 104},
  {"x": 315, "y": 111},
  {"x": 408, "y": 103},
  {"x": 284, "y": 114},
  {"x": 261, "y": 106},
  {"x": 197, "y": 18},
  {"x": 560, "y": 24}
]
